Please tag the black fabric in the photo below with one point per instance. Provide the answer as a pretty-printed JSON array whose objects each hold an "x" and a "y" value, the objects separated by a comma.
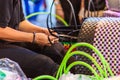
[
  {"x": 12, "y": 11},
  {"x": 67, "y": 10},
  {"x": 33, "y": 64},
  {"x": 56, "y": 51},
  {"x": 98, "y": 5}
]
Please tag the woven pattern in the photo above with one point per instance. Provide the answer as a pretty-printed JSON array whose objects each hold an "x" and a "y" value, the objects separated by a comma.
[
  {"x": 86, "y": 35},
  {"x": 107, "y": 40},
  {"x": 104, "y": 34}
]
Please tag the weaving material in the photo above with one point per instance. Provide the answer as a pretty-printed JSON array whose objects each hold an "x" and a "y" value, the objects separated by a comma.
[
  {"x": 86, "y": 34},
  {"x": 107, "y": 40},
  {"x": 104, "y": 34}
]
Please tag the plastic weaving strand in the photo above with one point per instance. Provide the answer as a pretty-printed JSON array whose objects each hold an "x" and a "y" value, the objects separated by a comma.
[
  {"x": 45, "y": 77},
  {"x": 65, "y": 69},
  {"x": 105, "y": 64},
  {"x": 58, "y": 17},
  {"x": 84, "y": 64},
  {"x": 88, "y": 56}
]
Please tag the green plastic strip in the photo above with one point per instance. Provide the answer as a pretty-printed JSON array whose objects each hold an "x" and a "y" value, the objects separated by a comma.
[
  {"x": 84, "y": 64},
  {"x": 45, "y": 77},
  {"x": 58, "y": 17},
  {"x": 86, "y": 55},
  {"x": 104, "y": 62},
  {"x": 63, "y": 69}
]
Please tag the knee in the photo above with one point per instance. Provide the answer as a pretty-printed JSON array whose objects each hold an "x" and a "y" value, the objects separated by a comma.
[{"x": 46, "y": 66}]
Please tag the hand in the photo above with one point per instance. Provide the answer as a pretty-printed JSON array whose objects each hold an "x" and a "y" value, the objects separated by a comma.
[
  {"x": 46, "y": 31},
  {"x": 42, "y": 39}
]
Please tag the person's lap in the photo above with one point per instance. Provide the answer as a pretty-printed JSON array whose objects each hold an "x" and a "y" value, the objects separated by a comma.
[
  {"x": 32, "y": 64},
  {"x": 56, "y": 51}
]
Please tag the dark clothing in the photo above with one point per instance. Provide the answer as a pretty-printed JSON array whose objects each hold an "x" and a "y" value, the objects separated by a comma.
[
  {"x": 96, "y": 6},
  {"x": 33, "y": 63},
  {"x": 10, "y": 13},
  {"x": 67, "y": 10},
  {"x": 56, "y": 51}
]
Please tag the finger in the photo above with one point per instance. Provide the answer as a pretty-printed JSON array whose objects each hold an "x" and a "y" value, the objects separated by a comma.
[
  {"x": 52, "y": 38},
  {"x": 55, "y": 40}
]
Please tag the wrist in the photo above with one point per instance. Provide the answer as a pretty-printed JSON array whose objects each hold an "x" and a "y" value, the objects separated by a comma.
[
  {"x": 57, "y": 5},
  {"x": 34, "y": 35},
  {"x": 56, "y": 2}
]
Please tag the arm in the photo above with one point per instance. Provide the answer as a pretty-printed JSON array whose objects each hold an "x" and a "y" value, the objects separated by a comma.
[
  {"x": 9, "y": 34},
  {"x": 29, "y": 27},
  {"x": 81, "y": 13},
  {"x": 13, "y": 35},
  {"x": 26, "y": 29},
  {"x": 58, "y": 9}
]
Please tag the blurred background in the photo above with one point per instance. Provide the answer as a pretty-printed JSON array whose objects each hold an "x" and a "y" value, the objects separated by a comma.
[{"x": 40, "y": 10}]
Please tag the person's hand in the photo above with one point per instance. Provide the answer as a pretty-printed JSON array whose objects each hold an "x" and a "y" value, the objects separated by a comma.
[
  {"x": 46, "y": 31},
  {"x": 42, "y": 39}
]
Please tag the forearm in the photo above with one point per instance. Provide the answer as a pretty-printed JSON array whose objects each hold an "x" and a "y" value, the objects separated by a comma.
[
  {"x": 82, "y": 4},
  {"x": 26, "y": 26},
  {"x": 59, "y": 9},
  {"x": 12, "y": 35},
  {"x": 82, "y": 11},
  {"x": 29, "y": 27}
]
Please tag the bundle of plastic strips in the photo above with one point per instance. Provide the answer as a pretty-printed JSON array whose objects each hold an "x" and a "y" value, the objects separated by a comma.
[{"x": 63, "y": 72}]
